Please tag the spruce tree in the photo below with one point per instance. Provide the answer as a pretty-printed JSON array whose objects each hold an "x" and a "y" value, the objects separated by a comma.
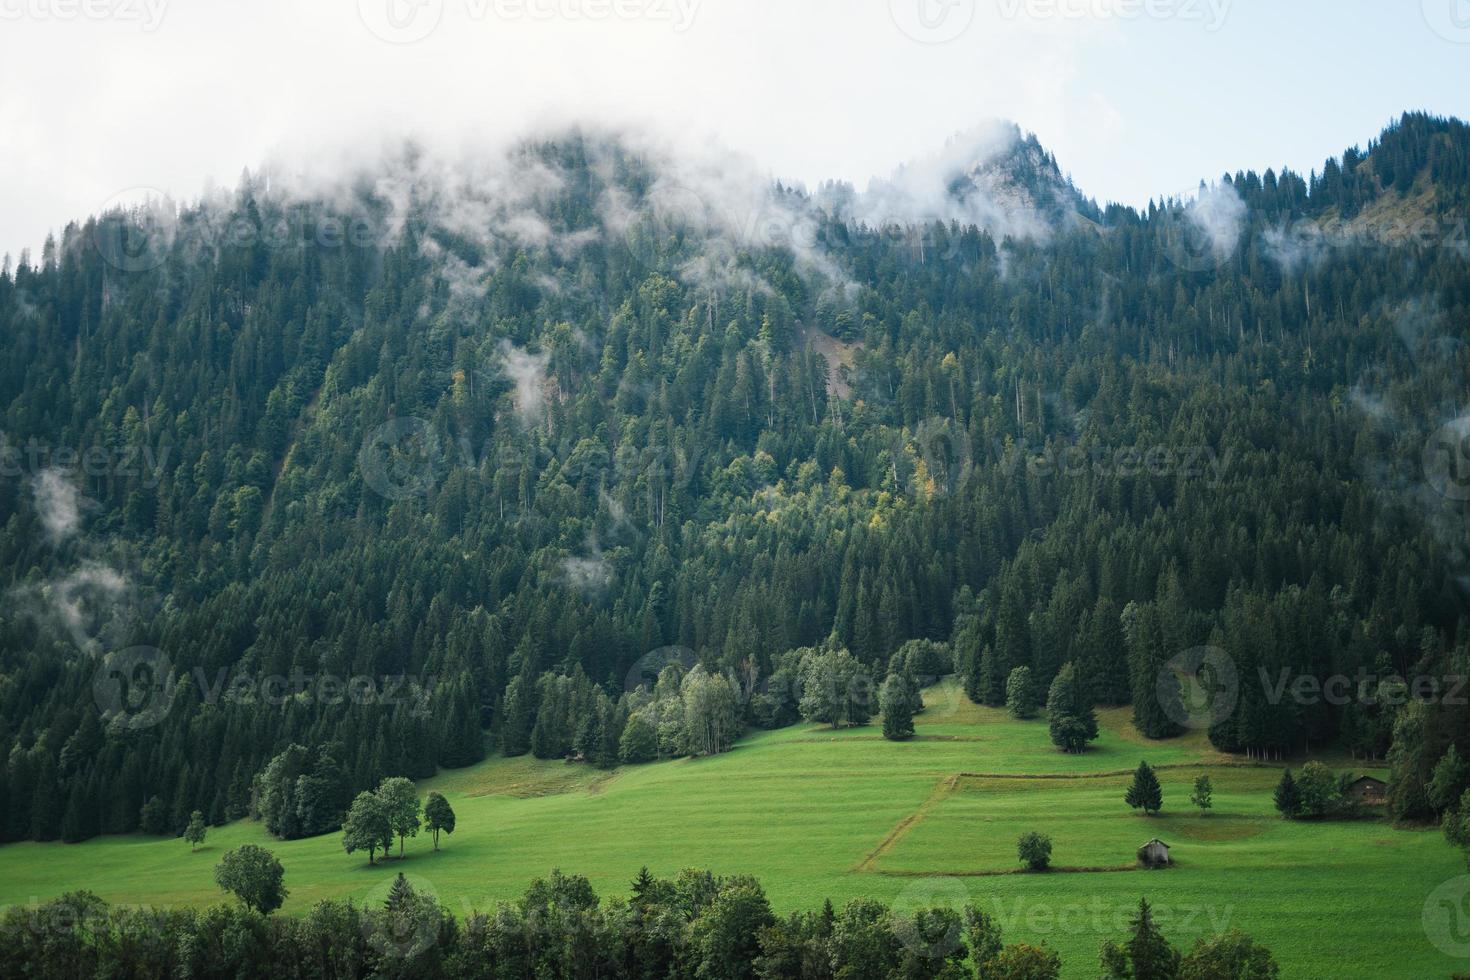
[
  {"x": 1146, "y": 955},
  {"x": 1155, "y": 689},
  {"x": 898, "y": 708},
  {"x": 1145, "y": 794},
  {"x": 1021, "y": 693},
  {"x": 1070, "y": 718},
  {"x": 1288, "y": 798}
]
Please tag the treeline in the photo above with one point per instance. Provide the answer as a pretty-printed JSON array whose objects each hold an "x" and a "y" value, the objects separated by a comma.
[
  {"x": 1072, "y": 449},
  {"x": 694, "y": 925}
]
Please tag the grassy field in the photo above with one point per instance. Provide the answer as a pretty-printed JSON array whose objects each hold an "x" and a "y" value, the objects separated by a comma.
[{"x": 818, "y": 814}]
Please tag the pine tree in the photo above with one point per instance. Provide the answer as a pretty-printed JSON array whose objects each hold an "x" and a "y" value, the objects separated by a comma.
[
  {"x": 515, "y": 733},
  {"x": 1146, "y": 955},
  {"x": 1288, "y": 798},
  {"x": 1156, "y": 695},
  {"x": 1145, "y": 793},
  {"x": 643, "y": 885},
  {"x": 1021, "y": 693},
  {"x": 400, "y": 894},
  {"x": 1070, "y": 718},
  {"x": 898, "y": 708}
]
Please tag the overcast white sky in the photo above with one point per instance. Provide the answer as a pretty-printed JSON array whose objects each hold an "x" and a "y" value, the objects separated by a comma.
[{"x": 1137, "y": 98}]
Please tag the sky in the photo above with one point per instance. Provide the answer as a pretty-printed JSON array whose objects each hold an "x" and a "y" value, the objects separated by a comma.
[{"x": 106, "y": 100}]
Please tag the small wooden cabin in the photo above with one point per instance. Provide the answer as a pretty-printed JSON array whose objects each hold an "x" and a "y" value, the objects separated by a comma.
[
  {"x": 1154, "y": 854},
  {"x": 1366, "y": 789}
]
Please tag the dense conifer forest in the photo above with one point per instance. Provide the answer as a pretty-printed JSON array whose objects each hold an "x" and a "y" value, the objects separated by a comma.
[{"x": 305, "y": 489}]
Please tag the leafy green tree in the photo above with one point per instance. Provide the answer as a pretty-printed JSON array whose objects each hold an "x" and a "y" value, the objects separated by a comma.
[
  {"x": 1021, "y": 693},
  {"x": 1202, "y": 795},
  {"x": 152, "y": 818},
  {"x": 897, "y": 703},
  {"x": 1287, "y": 797},
  {"x": 1071, "y": 720},
  {"x": 1450, "y": 780},
  {"x": 1023, "y": 961},
  {"x": 1411, "y": 763},
  {"x": 1034, "y": 850},
  {"x": 253, "y": 875},
  {"x": 726, "y": 934},
  {"x": 1146, "y": 955},
  {"x": 640, "y": 740},
  {"x": 1232, "y": 955},
  {"x": 836, "y": 688},
  {"x": 438, "y": 816},
  {"x": 194, "y": 833},
  {"x": 1145, "y": 793},
  {"x": 401, "y": 804},
  {"x": 711, "y": 718},
  {"x": 368, "y": 826},
  {"x": 984, "y": 938},
  {"x": 301, "y": 793},
  {"x": 1317, "y": 791},
  {"x": 1456, "y": 825}
]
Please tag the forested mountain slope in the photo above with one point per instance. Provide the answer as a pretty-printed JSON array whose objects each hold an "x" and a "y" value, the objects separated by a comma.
[{"x": 503, "y": 429}]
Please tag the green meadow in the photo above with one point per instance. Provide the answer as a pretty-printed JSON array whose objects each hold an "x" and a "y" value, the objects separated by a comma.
[{"x": 817, "y": 814}]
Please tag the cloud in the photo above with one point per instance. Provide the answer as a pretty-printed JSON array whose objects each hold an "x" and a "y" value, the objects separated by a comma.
[
  {"x": 1370, "y": 404},
  {"x": 91, "y": 605},
  {"x": 1302, "y": 244},
  {"x": 528, "y": 372},
  {"x": 58, "y": 502},
  {"x": 1219, "y": 214},
  {"x": 587, "y": 575},
  {"x": 989, "y": 176}
]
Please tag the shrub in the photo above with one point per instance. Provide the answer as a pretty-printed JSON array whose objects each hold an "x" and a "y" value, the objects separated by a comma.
[{"x": 1034, "y": 850}]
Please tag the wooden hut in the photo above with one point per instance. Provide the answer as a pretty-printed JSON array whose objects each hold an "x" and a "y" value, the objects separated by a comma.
[
  {"x": 1154, "y": 854},
  {"x": 1366, "y": 789}
]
